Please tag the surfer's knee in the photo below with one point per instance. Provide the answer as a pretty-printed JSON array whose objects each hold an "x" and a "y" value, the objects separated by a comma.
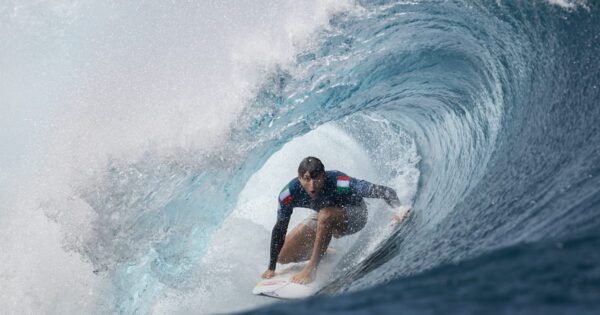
[
  {"x": 329, "y": 216},
  {"x": 282, "y": 259},
  {"x": 286, "y": 255}
]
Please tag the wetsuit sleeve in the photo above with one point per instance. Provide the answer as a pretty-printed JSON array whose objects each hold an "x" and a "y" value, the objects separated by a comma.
[
  {"x": 366, "y": 189},
  {"x": 285, "y": 209},
  {"x": 284, "y": 213},
  {"x": 277, "y": 240}
]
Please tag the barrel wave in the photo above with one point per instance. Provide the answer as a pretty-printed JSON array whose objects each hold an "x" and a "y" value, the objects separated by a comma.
[
  {"x": 483, "y": 115},
  {"x": 501, "y": 99}
]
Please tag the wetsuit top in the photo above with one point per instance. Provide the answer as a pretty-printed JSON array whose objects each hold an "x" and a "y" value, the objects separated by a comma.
[{"x": 340, "y": 190}]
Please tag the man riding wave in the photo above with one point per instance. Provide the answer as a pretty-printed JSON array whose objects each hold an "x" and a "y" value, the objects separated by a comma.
[{"x": 339, "y": 211}]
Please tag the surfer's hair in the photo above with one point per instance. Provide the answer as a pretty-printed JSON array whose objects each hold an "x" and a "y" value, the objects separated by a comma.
[{"x": 312, "y": 165}]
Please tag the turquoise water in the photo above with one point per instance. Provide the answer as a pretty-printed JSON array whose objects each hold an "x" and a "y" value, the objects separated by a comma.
[{"x": 165, "y": 137}]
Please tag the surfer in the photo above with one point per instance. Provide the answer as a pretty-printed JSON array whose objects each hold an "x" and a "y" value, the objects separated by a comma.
[{"x": 339, "y": 211}]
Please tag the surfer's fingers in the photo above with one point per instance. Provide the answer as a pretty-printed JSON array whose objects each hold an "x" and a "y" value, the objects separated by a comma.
[
  {"x": 268, "y": 274},
  {"x": 401, "y": 215}
]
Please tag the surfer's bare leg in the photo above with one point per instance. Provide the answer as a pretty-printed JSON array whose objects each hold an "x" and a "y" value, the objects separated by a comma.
[
  {"x": 331, "y": 221},
  {"x": 298, "y": 245}
]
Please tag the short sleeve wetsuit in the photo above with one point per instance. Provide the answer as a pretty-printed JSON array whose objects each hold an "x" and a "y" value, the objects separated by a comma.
[{"x": 340, "y": 190}]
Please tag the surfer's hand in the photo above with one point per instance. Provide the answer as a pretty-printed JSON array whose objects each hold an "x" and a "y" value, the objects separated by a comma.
[
  {"x": 268, "y": 274},
  {"x": 401, "y": 215}
]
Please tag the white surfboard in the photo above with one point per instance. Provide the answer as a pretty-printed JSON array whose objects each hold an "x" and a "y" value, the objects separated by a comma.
[{"x": 281, "y": 287}]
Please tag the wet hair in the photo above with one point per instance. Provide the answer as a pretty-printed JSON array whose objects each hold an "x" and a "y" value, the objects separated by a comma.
[{"x": 312, "y": 165}]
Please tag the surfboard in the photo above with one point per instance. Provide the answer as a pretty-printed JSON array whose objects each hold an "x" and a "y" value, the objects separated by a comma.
[{"x": 281, "y": 287}]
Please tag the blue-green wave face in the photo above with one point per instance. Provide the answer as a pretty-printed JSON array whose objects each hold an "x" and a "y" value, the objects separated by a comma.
[{"x": 162, "y": 135}]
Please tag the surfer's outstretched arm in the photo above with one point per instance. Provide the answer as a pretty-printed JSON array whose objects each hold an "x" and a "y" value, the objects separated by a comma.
[
  {"x": 366, "y": 189},
  {"x": 284, "y": 213},
  {"x": 277, "y": 240}
]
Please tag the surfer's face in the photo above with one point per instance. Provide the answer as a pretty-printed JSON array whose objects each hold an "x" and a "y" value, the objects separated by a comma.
[{"x": 312, "y": 186}]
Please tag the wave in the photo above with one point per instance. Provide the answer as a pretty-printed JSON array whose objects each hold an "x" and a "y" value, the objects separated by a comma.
[{"x": 480, "y": 114}]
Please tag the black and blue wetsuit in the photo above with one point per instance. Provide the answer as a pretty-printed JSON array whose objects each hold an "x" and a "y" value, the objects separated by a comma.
[{"x": 340, "y": 191}]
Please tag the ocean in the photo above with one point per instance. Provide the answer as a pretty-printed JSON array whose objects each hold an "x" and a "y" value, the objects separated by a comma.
[{"x": 145, "y": 144}]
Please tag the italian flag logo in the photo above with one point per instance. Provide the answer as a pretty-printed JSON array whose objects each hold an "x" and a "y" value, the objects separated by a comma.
[
  {"x": 285, "y": 196},
  {"x": 343, "y": 184}
]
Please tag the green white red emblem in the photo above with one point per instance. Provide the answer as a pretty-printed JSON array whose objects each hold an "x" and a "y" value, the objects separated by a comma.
[
  {"x": 285, "y": 196},
  {"x": 343, "y": 184}
]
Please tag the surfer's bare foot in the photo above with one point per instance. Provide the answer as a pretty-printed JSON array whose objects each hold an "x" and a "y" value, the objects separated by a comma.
[
  {"x": 303, "y": 277},
  {"x": 330, "y": 251}
]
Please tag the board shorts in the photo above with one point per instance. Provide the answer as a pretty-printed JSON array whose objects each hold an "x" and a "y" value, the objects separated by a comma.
[{"x": 357, "y": 219}]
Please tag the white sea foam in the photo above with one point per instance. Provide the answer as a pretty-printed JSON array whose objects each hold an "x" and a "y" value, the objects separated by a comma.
[
  {"x": 84, "y": 83},
  {"x": 570, "y": 4}
]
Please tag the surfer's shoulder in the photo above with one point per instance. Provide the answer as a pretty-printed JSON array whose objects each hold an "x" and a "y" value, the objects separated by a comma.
[
  {"x": 333, "y": 175},
  {"x": 292, "y": 185}
]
